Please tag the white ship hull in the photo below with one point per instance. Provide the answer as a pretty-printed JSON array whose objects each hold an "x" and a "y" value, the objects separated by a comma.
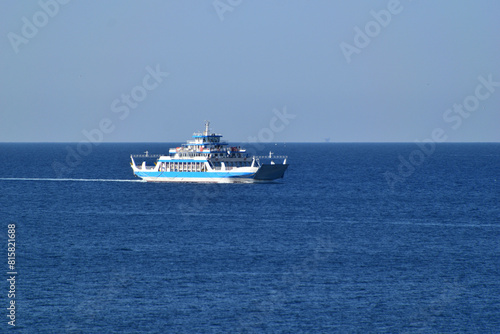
[{"x": 244, "y": 175}]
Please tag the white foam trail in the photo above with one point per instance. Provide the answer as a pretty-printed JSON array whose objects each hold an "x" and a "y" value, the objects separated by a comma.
[
  {"x": 480, "y": 225},
  {"x": 77, "y": 180}
]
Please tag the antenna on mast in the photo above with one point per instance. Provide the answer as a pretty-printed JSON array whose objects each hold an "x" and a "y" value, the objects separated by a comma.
[{"x": 207, "y": 128}]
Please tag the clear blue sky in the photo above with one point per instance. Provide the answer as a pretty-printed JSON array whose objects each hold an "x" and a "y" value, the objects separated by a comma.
[{"x": 235, "y": 64}]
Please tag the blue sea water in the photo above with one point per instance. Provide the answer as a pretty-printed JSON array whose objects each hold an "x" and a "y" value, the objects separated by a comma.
[{"x": 337, "y": 246}]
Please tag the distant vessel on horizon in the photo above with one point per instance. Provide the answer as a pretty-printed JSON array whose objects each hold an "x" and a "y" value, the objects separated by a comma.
[{"x": 208, "y": 159}]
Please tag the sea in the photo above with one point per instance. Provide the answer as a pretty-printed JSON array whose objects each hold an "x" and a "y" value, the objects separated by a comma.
[{"x": 356, "y": 238}]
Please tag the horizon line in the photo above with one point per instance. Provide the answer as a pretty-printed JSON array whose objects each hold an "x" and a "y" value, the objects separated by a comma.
[{"x": 250, "y": 143}]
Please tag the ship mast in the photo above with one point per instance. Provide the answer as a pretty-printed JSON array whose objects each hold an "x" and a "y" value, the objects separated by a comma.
[{"x": 207, "y": 129}]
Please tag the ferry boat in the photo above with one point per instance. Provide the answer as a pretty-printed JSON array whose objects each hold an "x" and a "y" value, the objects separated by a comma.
[{"x": 207, "y": 158}]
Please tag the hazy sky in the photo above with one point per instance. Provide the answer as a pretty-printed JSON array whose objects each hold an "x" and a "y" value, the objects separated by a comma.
[{"x": 283, "y": 70}]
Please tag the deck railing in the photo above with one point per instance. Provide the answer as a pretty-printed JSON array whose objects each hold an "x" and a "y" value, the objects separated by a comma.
[
  {"x": 271, "y": 157},
  {"x": 147, "y": 155}
]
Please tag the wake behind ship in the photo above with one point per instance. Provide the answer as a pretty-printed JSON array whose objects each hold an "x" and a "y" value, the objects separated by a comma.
[{"x": 208, "y": 159}]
